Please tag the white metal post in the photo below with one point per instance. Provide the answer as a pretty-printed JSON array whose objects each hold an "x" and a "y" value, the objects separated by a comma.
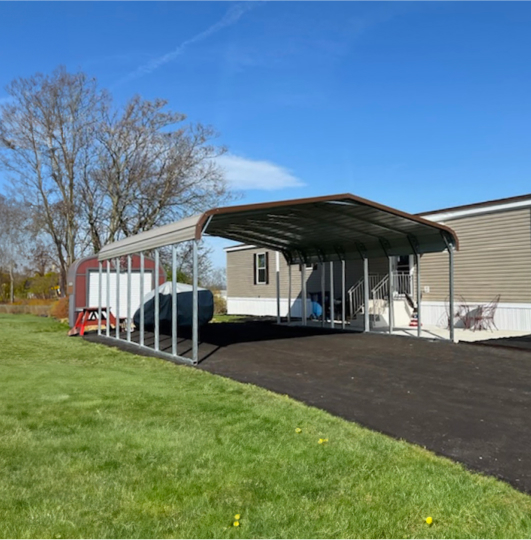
[
  {"x": 289, "y": 293},
  {"x": 174, "y": 300},
  {"x": 157, "y": 301},
  {"x": 366, "y": 317},
  {"x": 141, "y": 338},
  {"x": 195, "y": 322},
  {"x": 108, "y": 322},
  {"x": 343, "y": 288},
  {"x": 451, "y": 279},
  {"x": 117, "y": 324},
  {"x": 100, "y": 286},
  {"x": 303, "y": 299},
  {"x": 323, "y": 293},
  {"x": 278, "y": 286},
  {"x": 332, "y": 307},
  {"x": 419, "y": 322},
  {"x": 129, "y": 321},
  {"x": 391, "y": 289}
]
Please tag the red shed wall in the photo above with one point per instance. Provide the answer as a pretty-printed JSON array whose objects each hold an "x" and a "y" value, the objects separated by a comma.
[{"x": 78, "y": 278}]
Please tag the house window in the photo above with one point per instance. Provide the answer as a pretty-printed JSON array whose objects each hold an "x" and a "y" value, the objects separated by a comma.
[{"x": 261, "y": 270}]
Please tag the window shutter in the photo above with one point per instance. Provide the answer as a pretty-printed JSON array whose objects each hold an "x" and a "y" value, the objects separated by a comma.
[
  {"x": 267, "y": 267},
  {"x": 254, "y": 267}
]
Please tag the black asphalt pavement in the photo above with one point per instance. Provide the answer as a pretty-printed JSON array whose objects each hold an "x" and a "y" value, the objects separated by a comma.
[{"x": 469, "y": 403}]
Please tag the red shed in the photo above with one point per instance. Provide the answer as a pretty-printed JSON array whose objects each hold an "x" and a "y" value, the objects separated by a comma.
[{"x": 83, "y": 282}]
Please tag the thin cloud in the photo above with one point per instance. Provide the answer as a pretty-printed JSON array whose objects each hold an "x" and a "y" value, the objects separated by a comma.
[
  {"x": 232, "y": 16},
  {"x": 246, "y": 174}
]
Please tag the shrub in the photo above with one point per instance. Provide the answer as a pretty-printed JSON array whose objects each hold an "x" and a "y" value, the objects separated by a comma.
[
  {"x": 59, "y": 309},
  {"x": 220, "y": 304}
]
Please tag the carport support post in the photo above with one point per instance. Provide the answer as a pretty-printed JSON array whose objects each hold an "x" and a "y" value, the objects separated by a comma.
[
  {"x": 332, "y": 313},
  {"x": 289, "y": 292},
  {"x": 366, "y": 318},
  {"x": 391, "y": 289},
  {"x": 195, "y": 321},
  {"x": 108, "y": 322},
  {"x": 117, "y": 326},
  {"x": 278, "y": 286},
  {"x": 157, "y": 300},
  {"x": 100, "y": 269},
  {"x": 419, "y": 322},
  {"x": 303, "y": 299},
  {"x": 129, "y": 298},
  {"x": 451, "y": 278},
  {"x": 323, "y": 271},
  {"x": 141, "y": 339},
  {"x": 174, "y": 300},
  {"x": 343, "y": 287}
]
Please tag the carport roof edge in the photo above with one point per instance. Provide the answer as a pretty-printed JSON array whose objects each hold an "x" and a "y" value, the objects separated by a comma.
[{"x": 309, "y": 229}]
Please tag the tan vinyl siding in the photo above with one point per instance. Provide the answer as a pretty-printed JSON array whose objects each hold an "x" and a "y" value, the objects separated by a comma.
[
  {"x": 494, "y": 258},
  {"x": 240, "y": 277}
]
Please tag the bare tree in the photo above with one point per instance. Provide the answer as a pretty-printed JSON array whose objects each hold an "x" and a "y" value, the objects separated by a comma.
[
  {"x": 152, "y": 169},
  {"x": 47, "y": 133},
  {"x": 14, "y": 238},
  {"x": 92, "y": 174},
  {"x": 217, "y": 278}
]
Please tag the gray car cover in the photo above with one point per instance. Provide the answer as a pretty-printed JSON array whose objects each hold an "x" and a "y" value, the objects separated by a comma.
[{"x": 184, "y": 306}]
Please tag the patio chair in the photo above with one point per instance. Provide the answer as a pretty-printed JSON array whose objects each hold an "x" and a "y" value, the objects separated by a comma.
[
  {"x": 488, "y": 313},
  {"x": 461, "y": 311}
]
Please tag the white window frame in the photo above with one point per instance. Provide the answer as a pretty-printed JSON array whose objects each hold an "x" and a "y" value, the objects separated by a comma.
[{"x": 258, "y": 268}]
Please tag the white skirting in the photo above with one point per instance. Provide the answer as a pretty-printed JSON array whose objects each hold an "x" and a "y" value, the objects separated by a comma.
[
  {"x": 507, "y": 317},
  {"x": 513, "y": 317},
  {"x": 263, "y": 307}
]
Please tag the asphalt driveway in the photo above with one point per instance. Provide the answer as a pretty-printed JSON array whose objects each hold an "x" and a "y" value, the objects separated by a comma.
[{"x": 466, "y": 402}]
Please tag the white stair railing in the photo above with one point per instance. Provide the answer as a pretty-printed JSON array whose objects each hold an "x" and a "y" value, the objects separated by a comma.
[
  {"x": 402, "y": 284},
  {"x": 380, "y": 296},
  {"x": 356, "y": 295},
  {"x": 379, "y": 288}
]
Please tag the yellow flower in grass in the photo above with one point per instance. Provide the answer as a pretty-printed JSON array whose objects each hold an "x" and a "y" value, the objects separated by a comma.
[
  {"x": 237, "y": 517},
  {"x": 429, "y": 520},
  {"x": 322, "y": 441},
  {"x": 236, "y": 524},
  {"x": 298, "y": 430}
]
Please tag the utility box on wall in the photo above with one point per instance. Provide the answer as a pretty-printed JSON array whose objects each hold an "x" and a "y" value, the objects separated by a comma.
[{"x": 83, "y": 284}]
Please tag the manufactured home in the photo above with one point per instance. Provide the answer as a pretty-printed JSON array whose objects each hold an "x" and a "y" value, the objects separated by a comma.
[{"x": 492, "y": 268}]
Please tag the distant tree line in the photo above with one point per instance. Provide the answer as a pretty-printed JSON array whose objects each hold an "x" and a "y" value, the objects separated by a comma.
[{"x": 84, "y": 172}]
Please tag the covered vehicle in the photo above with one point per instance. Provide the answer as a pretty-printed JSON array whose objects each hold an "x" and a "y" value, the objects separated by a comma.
[{"x": 184, "y": 306}]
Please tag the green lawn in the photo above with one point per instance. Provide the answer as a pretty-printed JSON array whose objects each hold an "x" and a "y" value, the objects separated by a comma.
[
  {"x": 229, "y": 318},
  {"x": 98, "y": 443}
]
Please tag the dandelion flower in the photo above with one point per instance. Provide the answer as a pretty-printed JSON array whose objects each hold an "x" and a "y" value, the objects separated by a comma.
[
  {"x": 237, "y": 517},
  {"x": 298, "y": 430},
  {"x": 429, "y": 520},
  {"x": 322, "y": 441},
  {"x": 236, "y": 523}
]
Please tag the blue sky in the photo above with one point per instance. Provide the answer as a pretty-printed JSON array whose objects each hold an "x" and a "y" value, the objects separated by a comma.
[{"x": 415, "y": 105}]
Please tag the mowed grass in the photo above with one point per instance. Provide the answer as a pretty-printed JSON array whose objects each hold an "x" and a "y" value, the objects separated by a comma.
[{"x": 99, "y": 443}]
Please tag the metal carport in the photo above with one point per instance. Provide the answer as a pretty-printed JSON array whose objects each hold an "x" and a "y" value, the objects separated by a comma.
[{"x": 318, "y": 229}]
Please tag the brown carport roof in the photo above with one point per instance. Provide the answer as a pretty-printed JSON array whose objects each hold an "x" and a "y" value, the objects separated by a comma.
[{"x": 308, "y": 230}]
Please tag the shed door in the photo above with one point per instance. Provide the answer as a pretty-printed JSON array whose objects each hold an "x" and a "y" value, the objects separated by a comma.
[{"x": 93, "y": 296}]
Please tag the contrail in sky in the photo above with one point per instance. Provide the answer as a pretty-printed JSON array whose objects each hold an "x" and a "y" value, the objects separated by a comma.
[{"x": 232, "y": 16}]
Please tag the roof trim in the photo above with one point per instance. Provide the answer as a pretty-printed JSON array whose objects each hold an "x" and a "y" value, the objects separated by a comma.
[
  {"x": 240, "y": 247},
  {"x": 479, "y": 210},
  {"x": 507, "y": 200}
]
